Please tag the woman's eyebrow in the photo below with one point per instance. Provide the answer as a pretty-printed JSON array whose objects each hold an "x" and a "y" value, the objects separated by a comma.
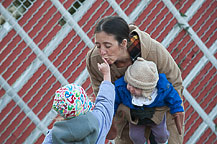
[{"x": 107, "y": 43}]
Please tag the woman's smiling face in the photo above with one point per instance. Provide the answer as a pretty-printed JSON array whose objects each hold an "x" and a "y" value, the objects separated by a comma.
[{"x": 108, "y": 47}]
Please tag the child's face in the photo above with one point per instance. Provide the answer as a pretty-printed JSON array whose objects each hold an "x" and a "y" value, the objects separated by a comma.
[{"x": 134, "y": 91}]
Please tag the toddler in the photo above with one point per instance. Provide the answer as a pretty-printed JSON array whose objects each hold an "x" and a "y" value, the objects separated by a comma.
[
  {"x": 82, "y": 121},
  {"x": 143, "y": 90}
]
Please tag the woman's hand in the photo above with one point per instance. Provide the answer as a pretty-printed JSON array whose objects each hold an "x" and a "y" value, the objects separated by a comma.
[
  {"x": 104, "y": 68},
  {"x": 179, "y": 119}
]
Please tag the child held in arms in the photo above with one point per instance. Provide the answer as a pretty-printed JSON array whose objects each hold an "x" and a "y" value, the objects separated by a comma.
[
  {"x": 81, "y": 121},
  {"x": 143, "y": 91}
]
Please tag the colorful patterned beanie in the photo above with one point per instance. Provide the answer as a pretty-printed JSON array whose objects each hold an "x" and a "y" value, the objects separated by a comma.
[{"x": 71, "y": 101}]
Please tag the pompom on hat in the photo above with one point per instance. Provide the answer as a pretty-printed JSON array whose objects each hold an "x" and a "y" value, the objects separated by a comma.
[
  {"x": 142, "y": 74},
  {"x": 71, "y": 101}
]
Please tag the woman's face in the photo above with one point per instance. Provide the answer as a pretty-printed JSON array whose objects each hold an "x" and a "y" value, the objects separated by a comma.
[
  {"x": 134, "y": 91},
  {"x": 108, "y": 47}
]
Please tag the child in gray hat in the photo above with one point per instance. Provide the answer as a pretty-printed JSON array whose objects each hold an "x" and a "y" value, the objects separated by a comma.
[{"x": 143, "y": 91}]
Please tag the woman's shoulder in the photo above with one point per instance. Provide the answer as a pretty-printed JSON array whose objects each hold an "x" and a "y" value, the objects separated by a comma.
[{"x": 135, "y": 29}]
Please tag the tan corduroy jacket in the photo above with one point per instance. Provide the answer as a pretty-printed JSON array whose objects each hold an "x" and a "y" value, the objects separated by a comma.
[{"x": 150, "y": 50}]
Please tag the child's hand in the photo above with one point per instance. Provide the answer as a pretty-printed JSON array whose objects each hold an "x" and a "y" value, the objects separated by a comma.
[{"x": 104, "y": 68}]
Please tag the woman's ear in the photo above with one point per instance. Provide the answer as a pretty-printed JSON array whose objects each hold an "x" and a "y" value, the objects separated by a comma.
[{"x": 124, "y": 43}]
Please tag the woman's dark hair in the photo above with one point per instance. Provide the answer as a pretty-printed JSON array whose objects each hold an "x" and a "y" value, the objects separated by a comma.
[{"x": 114, "y": 25}]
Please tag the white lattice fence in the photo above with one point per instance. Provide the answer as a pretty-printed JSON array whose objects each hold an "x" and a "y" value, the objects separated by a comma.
[{"x": 43, "y": 45}]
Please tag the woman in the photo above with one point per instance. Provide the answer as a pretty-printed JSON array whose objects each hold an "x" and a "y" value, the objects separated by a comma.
[{"x": 120, "y": 44}]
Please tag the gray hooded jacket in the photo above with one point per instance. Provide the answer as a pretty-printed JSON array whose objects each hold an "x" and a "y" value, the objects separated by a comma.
[{"x": 86, "y": 129}]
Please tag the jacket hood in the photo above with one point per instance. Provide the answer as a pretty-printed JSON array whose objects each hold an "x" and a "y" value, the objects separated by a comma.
[
  {"x": 144, "y": 38},
  {"x": 79, "y": 130}
]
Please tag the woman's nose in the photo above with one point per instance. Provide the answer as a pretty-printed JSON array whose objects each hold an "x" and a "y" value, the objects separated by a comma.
[{"x": 102, "y": 51}]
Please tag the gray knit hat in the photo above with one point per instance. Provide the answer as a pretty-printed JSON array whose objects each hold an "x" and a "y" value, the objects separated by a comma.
[{"x": 142, "y": 74}]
